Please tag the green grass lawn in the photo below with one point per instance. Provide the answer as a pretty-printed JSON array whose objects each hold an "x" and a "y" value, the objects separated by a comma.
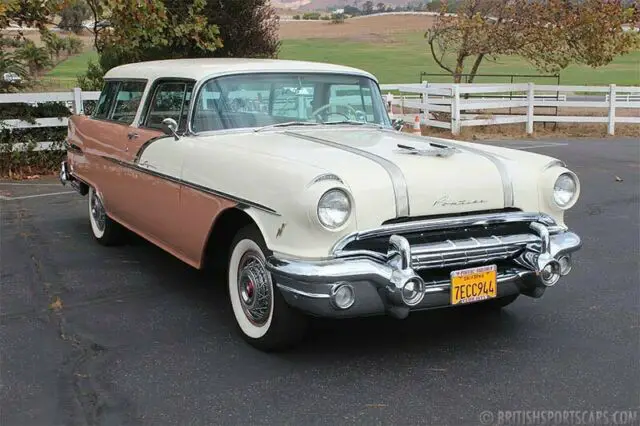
[
  {"x": 71, "y": 67},
  {"x": 402, "y": 62}
]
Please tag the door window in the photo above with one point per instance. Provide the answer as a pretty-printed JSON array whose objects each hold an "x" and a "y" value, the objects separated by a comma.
[
  {"x": 105, "y": 101},
  {"x": 128, "y": 101},
  {"x": 171, "y": 99}
]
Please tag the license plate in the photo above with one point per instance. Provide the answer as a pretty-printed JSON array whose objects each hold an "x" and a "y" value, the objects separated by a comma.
[{"x": 473, "y": 284}]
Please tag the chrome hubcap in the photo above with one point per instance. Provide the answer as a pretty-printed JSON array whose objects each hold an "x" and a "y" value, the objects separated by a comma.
[
  {"x": 97, "y": 211},
  {"x": 254, "y": 288}
]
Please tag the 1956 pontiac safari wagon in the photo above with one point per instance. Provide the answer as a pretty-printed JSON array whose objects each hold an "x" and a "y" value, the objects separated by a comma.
[{"x": 291, "y": 177}]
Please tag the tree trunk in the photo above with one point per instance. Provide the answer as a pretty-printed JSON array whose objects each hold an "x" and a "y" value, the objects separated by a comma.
[
  {"x": 474, "y": 68},
  {"x": 457, "y": 75}
]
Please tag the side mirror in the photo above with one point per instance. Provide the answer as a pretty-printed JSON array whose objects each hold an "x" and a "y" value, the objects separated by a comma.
[
  {"x": 397, "y": 123},
  {"x": 170, "y": 127}
]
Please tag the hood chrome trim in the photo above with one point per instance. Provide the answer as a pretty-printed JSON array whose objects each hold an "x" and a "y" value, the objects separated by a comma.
[
  {"x": 398, "y": 181},
  {"x": 505, "y": 176}
]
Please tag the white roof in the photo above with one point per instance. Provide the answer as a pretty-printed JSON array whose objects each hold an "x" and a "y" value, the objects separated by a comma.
[{"x": 210, "y": 67}]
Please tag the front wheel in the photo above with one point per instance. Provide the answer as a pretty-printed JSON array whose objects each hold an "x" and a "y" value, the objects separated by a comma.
[
  {"x": 106, "y": 231},
  {"x": 264, "y": 319}
]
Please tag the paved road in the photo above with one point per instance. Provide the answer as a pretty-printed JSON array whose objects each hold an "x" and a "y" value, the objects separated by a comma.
[{"x": 129, "y": 335}]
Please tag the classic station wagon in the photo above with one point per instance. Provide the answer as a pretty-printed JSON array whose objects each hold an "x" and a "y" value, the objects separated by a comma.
[{"x": 290, "y": 178}]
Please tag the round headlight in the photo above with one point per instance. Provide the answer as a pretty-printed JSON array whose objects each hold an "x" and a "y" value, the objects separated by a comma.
[
  {"x": 564, "y": 190},
  {"x": 334, "y": 208}
]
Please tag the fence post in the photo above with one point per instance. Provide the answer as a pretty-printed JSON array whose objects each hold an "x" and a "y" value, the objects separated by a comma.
[
  {"x": 77, "y": 101},
  {"x": 530, "y": 107},
  {"x": 455, "y": 109},
  {"x": 611, "y": 128},
  {"x": 389, "y": 100},
  {"x": 425, "y": 104}
]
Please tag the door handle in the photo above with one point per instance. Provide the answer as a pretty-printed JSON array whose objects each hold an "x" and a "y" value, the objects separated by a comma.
[{"x": 132, "y": 135}]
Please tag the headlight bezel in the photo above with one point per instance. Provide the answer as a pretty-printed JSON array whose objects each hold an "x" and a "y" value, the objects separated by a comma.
[
  {"x": 349, "y": 201},
  {"x": 576, "y": 192}
]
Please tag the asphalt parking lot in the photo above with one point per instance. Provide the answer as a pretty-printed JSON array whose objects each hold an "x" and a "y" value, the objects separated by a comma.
[{"x": 130, "y": 335}]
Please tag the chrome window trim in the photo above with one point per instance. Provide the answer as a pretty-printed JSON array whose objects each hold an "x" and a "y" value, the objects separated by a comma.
[{"x": 204, "y": 80}]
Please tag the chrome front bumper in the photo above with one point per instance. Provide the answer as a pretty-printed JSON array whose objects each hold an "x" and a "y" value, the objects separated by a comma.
[{"x": 397, "y": 283}]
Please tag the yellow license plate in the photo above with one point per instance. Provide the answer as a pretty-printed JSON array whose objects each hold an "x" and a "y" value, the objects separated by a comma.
[{"x": 473, "y": 284}]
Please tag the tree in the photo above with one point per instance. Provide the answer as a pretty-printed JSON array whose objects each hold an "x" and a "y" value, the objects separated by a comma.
[
  {"x": 381, "y": 7},
  {"x": 16, "y": 49},
  {"x": 73, "y": 14},
  {"x": 10, "y": 64},
  {"x": 36, "y": 58},
  {"x": 367, "y": 8},
  {"x": 551, "y": 34},
  {"x": 148, "y": 30},
  {"x": 248, "y": 28},
  {"x": 53, "y": 43}
]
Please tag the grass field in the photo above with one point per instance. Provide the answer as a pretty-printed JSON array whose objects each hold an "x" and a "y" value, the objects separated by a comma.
[
  {"x": 392, "y": 48},
  {"x": 402, "y": 61}
]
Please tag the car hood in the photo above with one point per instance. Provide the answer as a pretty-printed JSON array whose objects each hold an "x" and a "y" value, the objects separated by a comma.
[
  {"x": 387, "y": 181},
  {"x": 432, "y": 176}
]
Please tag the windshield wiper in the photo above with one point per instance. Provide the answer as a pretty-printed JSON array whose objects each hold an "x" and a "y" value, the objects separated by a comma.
[
  {"x": 360, "y": 123},
  {"x": 286, "y": 124}
]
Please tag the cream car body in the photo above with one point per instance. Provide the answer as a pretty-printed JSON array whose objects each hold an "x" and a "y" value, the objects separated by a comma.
[{"x": 193, "y": 154}]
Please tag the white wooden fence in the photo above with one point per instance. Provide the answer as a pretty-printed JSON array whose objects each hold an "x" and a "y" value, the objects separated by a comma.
[
  {"x": 469, "y": 104},
  {"x": 464, "y": 103}
]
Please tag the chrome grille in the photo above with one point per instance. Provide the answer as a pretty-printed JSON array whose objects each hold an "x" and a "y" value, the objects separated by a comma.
[{"x": 469, "y": 251}]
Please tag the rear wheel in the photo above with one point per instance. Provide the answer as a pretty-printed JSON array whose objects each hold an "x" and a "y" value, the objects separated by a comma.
[
  {"x": 263, "y": 317},
  {"x": 106, "y": 231}
]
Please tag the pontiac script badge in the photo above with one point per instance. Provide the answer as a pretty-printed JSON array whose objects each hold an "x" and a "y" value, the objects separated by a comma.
[{"x": 446, "y": 201}]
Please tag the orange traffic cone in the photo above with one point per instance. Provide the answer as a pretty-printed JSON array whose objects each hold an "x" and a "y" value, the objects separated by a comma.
[{"x": 416, "y": 126}]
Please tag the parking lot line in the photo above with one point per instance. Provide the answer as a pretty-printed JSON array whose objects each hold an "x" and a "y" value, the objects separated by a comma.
[
  {"x": 29, "y": 184},
  {"x": 549, "y": 145},
  {"x": 5, "y": 198}
]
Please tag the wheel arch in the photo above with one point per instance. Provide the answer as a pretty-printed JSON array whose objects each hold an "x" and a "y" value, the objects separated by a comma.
[{"x": 223, "y": 229}]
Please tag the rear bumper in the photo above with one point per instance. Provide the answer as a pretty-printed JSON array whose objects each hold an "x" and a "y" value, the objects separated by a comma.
[
  {"x": 67, "y": 177},
  {"x": 379, "y": 286}
]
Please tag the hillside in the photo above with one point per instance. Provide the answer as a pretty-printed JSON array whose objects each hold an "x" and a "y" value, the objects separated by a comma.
[{"x": 323, "y": 4}]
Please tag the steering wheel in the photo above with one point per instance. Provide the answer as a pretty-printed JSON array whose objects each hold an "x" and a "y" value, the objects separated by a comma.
[{"x": 317, "y": 112}]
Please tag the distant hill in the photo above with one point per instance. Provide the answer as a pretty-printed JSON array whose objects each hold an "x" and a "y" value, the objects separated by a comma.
[{"x": 323, "y": 4}]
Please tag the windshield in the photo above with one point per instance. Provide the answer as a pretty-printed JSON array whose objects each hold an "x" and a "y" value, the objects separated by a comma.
[{"x": 258, "y": 100}]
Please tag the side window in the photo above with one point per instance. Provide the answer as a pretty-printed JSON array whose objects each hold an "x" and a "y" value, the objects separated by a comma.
[
  {"x": 105, "y": 101},
  {"x": 127, "y": 101},
  {"x": 171, "y": 99}
]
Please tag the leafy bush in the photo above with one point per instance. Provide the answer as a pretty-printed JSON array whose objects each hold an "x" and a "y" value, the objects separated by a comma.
[
  {"x": 18, "y": 153},
  {"x": 314, "y": 16},
  {"x": 296, "y": 17},
  {"x": 337, "y": 18},
  {"x": 73, "y": 45}
]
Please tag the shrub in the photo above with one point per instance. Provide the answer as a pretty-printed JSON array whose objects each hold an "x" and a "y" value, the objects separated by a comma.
[
  {"x": 337, "y": 18},
  {"x": 313, "y": 16},
  {"x": 18, "y": 154}
]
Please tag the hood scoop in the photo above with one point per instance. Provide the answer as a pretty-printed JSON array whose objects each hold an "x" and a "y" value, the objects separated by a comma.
[{"x": 439, "y": 151}]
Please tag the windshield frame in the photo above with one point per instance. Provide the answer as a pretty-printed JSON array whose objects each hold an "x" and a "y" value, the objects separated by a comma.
[{"x": 206, "y": 80}]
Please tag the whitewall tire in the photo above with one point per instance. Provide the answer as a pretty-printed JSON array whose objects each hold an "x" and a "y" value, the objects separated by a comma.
[
  {"x": 104, "y": 229},
  {"x": 262, "y": 316}
]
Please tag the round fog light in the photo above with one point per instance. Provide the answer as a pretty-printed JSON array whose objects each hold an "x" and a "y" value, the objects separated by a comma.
[
  {"x": 550, "y": 274},
  {"x": 343, "y": 296},
  {"x": 565, "y": 265},
  {"x": 413, "y": 291}
]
